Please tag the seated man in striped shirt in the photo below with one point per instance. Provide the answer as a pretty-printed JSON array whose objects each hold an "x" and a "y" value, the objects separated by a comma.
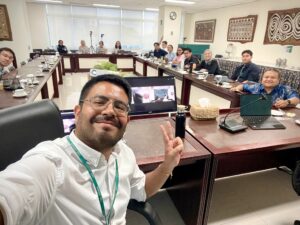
[{"x": 282, "y": 95}]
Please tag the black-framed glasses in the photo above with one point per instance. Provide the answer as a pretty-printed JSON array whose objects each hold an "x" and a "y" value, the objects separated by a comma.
[{"x": 100, "y": 102}]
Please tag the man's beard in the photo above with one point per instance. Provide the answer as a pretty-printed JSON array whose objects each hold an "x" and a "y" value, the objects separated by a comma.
[{"x": 104, "y": 140}]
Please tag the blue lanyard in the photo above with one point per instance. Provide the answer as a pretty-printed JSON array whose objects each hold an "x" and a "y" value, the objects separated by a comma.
[{"x": 94, "y": 181}]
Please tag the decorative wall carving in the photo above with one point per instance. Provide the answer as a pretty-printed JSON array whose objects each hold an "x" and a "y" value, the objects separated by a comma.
[
  {"x": 205, "y": 31},
  {"x": 5, "y": 31},
  {"x": 242, "y": 29},
  {"x": 283, "y": 27}
]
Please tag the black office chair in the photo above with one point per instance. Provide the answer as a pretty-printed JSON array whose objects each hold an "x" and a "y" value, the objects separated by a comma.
[
  {"x": 296, "y": 183},
  {"x": 23, "y": 127}
]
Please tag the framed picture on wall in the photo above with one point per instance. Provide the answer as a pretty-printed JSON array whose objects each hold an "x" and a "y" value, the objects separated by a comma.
[
  {"x": 283, "y": 27},
  {"x": 242, "y": 29},
  {"x": 5, "y": 31},
  {"x": 205, "y": 31}
]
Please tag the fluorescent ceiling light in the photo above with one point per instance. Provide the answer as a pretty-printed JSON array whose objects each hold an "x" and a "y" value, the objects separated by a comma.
[
  {"x": 180, "y": 2},
  {"x": 107, "y": 6},
  {"x": 152, "y": 9},
  {"x": 50, "y": 1}
]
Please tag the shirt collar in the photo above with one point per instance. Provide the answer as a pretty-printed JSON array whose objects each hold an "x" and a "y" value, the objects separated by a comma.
[{"x": 91, "y": 155}]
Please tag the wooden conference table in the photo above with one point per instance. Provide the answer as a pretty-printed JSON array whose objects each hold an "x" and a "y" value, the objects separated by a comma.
[
  {"x": 188, "y": 87},
  {"x": 247, "y": 151},
  {"x": 188, "y": 186},
  {"x": 46, "y": 88}
]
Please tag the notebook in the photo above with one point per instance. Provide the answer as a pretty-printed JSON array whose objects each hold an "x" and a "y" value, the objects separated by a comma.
[{"x": 255, "y": 109}]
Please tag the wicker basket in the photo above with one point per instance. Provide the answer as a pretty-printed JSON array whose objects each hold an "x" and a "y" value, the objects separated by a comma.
[{"x": 204, "y": 113}]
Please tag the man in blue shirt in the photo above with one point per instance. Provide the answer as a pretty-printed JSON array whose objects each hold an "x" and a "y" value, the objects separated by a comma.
[
  {"x": 158, "y": 52},
  {"x": 248, "y": 71},
  {"x": 282, "y": 95},
  {"x": 171, "y": 55}
]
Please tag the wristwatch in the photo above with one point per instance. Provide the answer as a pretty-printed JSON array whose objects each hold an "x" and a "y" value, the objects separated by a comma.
[{"x": 289, "y": 102}]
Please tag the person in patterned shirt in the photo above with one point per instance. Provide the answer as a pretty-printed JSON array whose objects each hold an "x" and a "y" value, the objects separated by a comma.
[{"x": 282, "y": 95}]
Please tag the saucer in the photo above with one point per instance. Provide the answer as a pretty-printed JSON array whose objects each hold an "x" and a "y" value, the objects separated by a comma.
[
  {"x": 35, "y": 82},
  {"x": 227, "y": 86},
  {"x": 277, "y": 112},
  {"x": 23, "y": 80},
  {"x": 297, "y": 122},
  {"x": 40, "y": 75},
  {"x": 20, "y": 95}
]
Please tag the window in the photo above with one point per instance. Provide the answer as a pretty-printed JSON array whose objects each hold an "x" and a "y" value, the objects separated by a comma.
[{"x": 136, "y": 29}]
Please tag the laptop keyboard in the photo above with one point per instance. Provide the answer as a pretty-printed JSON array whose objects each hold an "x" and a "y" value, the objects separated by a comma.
[{"x": 256, "y": 119}]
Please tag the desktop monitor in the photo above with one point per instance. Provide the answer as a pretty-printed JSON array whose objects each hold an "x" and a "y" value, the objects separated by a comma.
[{"x": 152, "y": 95}]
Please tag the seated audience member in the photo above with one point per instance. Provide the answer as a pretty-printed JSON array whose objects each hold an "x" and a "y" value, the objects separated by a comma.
[
  {"x": 117, "y": 47},
  {"x": 6, "y": 59},
  {"x": 282, "y": 95},
  {"x": 179, "y": 56},
  {"x": 61, "y": 48},
  {"x": 164, "y": 45},
  {"x": 158, "y": 52},
  {"x": 83, "y": 49},
  {"x": 209, "y": 64},
  {"x": 100, "y": 49},
  {"x": 171, "y": 55},
  {"x": 64, "y": 180},
  {"x": 190, "y": 59},
  {"x": 248, "y": 71}
]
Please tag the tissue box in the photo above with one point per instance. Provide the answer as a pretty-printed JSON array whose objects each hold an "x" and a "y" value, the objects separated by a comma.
[{"x": 204, "y": 113}]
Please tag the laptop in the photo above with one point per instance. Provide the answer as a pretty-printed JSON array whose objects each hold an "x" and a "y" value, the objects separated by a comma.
[
  {"x": 255, "y": 109},
  {"x": 152, "y": 95}
]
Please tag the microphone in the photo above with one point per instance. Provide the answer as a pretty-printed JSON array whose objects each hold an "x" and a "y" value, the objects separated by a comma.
[{"x": 234, "y": 126}]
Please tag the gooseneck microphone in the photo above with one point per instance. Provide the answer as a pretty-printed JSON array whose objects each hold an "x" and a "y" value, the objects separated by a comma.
[{"x": 234, "y": 126}]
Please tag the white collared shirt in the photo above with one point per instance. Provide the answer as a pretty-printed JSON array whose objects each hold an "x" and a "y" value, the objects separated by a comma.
[{"x": 50, "y": 186}]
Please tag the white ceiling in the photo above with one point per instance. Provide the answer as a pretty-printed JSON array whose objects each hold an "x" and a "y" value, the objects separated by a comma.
[{"x": 200, "y": 5}]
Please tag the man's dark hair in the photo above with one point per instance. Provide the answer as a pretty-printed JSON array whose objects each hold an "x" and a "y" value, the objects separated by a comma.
[
  {"x": 165, "y": 42},
  {"x": 171, "y": 46},
  {"x": 114, "y": 79},
  {"x": 156, "y": 43},
  {"x": 188, "y": 49},
  {"x": 248, "y": 52},
  {"x": 7, "y": 50}
]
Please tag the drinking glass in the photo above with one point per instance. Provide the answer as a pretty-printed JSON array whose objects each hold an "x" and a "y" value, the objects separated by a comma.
[{"x": 218, "y": 79}]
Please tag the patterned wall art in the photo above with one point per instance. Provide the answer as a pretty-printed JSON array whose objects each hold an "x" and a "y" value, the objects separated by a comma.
[
  {"x": 5, "y": 31},
  {"x": 242, "y": 29},
  {"x": 283, "y": 27},
  {"x": 205, "y": 31}
]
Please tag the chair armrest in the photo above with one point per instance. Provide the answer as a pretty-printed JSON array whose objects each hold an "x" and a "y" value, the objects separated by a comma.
[
  {"x": 145, "y": 209},
  {"x": 296, "y": 178}
]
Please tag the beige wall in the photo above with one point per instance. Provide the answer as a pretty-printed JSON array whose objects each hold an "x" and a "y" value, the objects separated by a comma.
[
  {"x": 38, "y": 25},
  {"x": 262, "y": 53},
  {"x": 21, "y": 43},
  {"x": 170, "y": 29}
]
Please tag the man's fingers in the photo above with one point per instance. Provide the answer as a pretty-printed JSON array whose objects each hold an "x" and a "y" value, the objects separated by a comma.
[{"x": 167, "y": 131}]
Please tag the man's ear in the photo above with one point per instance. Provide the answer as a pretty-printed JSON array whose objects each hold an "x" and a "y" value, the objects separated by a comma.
[{"x": 77, "y": 111}]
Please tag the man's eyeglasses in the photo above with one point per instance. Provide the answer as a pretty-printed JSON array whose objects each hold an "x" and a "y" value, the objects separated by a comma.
[{"x": 101, "y": 102}]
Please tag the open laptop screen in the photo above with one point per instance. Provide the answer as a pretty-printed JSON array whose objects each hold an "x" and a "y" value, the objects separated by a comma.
[
  {"x": 255, "y": 105},
  {"x": 68, "y": 119},
  {"x": 152, "y": 95}
]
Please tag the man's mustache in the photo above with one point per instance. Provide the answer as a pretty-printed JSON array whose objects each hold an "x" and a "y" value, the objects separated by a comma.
[{"x": 107, "y": 118}]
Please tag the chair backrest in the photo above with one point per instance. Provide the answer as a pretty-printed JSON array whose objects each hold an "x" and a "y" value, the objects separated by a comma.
[{"x": 23, "y": 127}]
